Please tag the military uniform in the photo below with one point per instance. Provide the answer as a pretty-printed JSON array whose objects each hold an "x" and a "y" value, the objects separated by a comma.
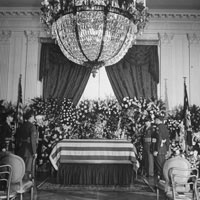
[
  {"x": 161, "y": 146},
  {"x": 27, "y": 142},
  {"x": 147, "y": 154}
]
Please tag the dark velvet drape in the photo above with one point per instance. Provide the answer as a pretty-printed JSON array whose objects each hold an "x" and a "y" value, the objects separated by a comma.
[
  {"x": 61, "y": 77},
  {"x": 137, "y": 74},
  {"x": 95, "y": 174}
]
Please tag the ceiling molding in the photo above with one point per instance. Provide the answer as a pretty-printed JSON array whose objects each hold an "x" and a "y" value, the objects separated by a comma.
[
  {"x": 19, "y": 12},
  {"x": 180, "y": 15},
  {"x": 154, "y": 14}
]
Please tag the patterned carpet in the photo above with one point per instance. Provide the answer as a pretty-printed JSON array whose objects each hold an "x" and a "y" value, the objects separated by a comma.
[{"x": 138, "y": 186}]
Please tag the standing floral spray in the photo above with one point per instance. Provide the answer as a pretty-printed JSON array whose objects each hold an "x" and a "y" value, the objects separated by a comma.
[
  {"x": 195, "y": 117},
  {"x": 112, "y": 112}
]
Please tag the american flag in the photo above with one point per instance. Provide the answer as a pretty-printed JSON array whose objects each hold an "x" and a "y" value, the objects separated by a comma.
[
  {"x": 186, "y": 111},
  {"x": 186, "y": 117},
  {"x": 19, "y": 114}
]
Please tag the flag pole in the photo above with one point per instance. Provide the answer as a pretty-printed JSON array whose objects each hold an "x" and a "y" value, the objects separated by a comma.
[{"x": 166, "y": 97}]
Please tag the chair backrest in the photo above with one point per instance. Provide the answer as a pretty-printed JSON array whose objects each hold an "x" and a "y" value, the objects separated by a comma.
[
  {"x": 175, "y": 162},
  {"x": 184, "y": 181},
  {"x": 5, "y": 178},
  {"x": 17, "y": 164}
]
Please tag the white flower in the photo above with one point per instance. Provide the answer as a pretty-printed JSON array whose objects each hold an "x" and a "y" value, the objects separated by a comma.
[{"x": 45, "y": 3}]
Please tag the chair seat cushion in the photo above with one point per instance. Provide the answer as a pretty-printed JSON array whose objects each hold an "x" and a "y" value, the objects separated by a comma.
[
  {"x": 164, "y": 186},
  {"x": 22, "y": 187},
  {"x": 3, "y": 195},
  {"x": 180, "y": 196}
]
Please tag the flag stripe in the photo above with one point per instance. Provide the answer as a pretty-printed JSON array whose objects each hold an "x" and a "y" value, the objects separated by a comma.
[{"x": 93, "y": 151}]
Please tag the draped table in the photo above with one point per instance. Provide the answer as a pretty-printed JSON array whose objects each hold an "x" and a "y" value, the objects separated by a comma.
[{"x": 94, "y": 162}]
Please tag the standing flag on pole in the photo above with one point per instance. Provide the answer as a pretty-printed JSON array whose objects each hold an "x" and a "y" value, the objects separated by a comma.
[
  {"x": 19, "y": 114},
  {"x": 186, "y": 111},
  {"x": 187, "y": 116},
  {"x": 166, "y": 96}
]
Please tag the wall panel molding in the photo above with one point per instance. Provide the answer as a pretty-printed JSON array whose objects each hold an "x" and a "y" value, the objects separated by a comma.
[
  {"x": 31, "y": 68},
  {"x": 4, "y": 61}
]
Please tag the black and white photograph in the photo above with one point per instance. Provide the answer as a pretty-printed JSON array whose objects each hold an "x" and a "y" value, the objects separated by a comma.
[{"x": 99, "y": 99}]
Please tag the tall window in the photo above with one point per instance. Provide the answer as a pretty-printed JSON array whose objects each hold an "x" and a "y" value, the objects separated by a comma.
[{"x": 98, "y": 87}]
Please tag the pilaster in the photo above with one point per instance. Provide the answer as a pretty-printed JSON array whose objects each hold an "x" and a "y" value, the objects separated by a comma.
[
  {"x": 4, "y": 62},
  {"x": 32, "y": 63},
  {"x": 166, "y": 49},
  {"x": 194, "y": 66}
]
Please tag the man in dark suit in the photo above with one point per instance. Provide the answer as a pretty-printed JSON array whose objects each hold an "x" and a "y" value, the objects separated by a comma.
[{"x": 27, "y": 137}]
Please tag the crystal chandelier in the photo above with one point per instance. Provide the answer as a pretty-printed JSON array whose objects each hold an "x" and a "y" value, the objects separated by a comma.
[{"x": 94, "y": 33}]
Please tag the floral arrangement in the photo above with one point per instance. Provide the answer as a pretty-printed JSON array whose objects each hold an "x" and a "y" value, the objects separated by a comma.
[
  {"x": 57, "y": 119},
  {"x": 106, "y": 119},
  {"x": 195, "y": 118}
]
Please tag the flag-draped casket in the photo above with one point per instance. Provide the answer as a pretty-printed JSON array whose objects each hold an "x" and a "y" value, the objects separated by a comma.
[{"x": 94, "y": 162}]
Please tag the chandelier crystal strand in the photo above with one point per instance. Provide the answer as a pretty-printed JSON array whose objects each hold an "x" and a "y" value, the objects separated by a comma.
[{"x": 94, "y": 33}]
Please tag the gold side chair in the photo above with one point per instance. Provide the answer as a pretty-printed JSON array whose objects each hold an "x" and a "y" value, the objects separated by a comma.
[
  {"x": 163, "y": 184},
  {"x": 18, "y": 184},
  {"x": 5, "y": 181},
  {"x": 184, "y": 184}
]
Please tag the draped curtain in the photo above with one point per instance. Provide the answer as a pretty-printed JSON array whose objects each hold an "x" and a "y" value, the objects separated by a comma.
[
  {"x": 137, "y": 74},
  {"x": 61, "y": 77}
]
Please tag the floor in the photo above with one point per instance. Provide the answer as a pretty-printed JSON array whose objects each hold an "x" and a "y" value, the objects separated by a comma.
[
  {"x": 92, "y": 195},
  {"x": 71, "y": 194}
]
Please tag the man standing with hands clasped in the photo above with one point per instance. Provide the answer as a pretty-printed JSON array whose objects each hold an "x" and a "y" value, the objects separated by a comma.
[
  {"x": 162, "y": 144},
  {"x": 27, "y": 137}
]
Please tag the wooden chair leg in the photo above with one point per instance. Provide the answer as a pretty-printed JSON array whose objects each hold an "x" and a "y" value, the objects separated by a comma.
[
  {"x": 157, "y": 194},
  {"x": 21, "y": 196},
  {"x": 32, "y": 192}
]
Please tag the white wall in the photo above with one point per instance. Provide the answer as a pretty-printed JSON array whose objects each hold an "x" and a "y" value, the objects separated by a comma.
[
  {"x": 179, "y": 53},
  {"x": 177, "y": 34}
]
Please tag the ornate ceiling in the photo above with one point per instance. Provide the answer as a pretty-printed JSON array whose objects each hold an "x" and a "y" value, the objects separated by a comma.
[{"x": 152, "y": 4}]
